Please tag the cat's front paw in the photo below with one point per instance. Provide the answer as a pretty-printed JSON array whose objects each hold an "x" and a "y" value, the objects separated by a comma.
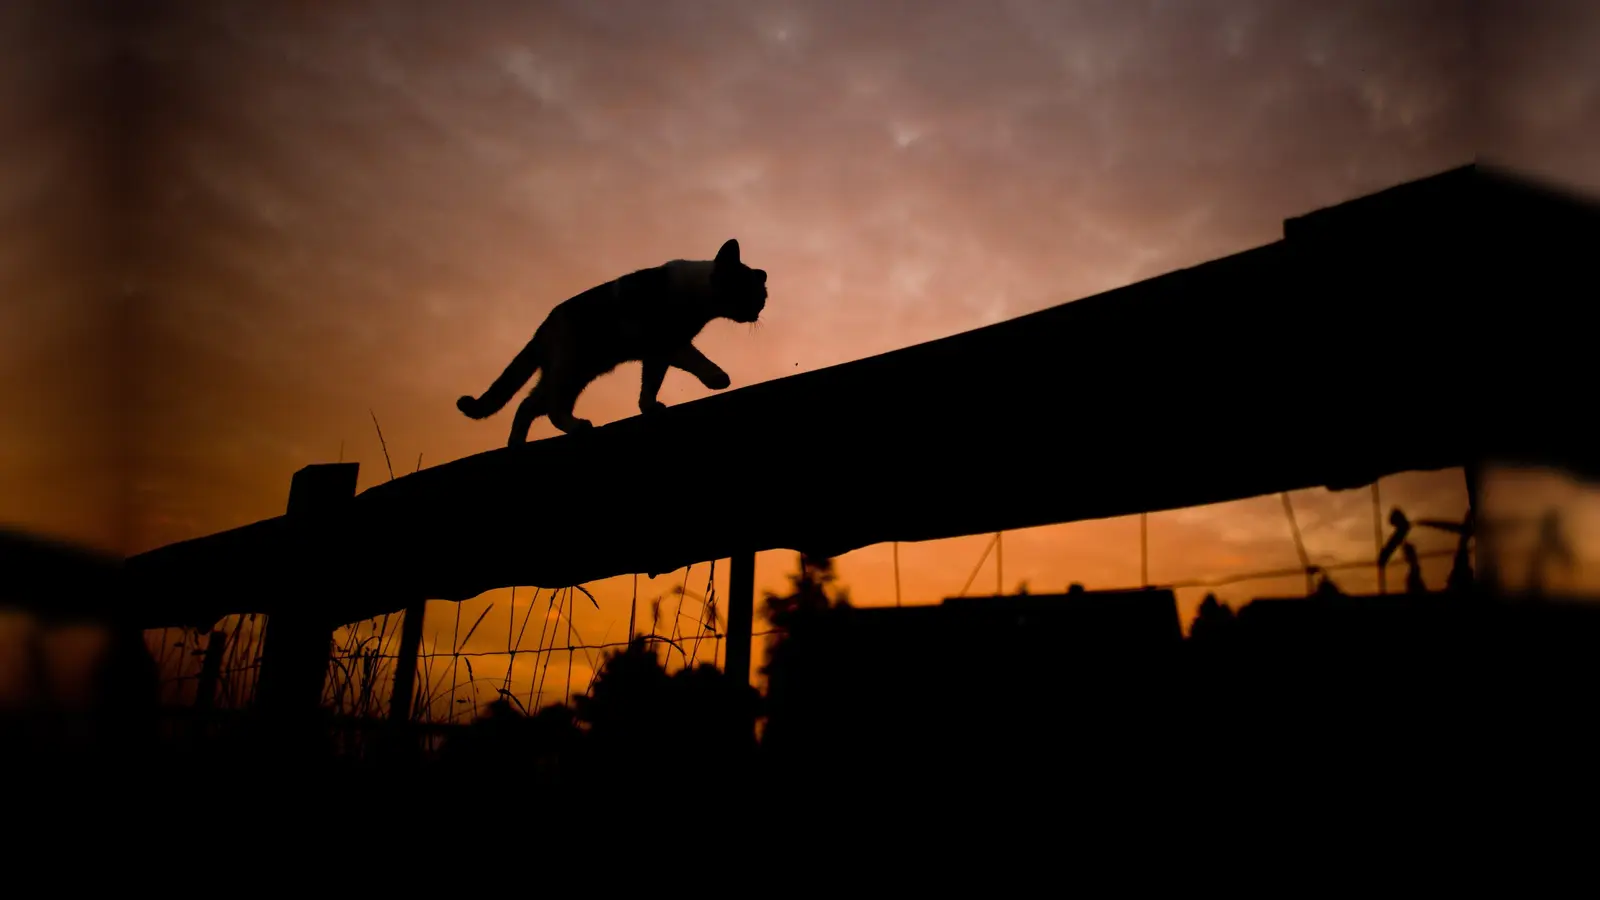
[
  {"x": 718, "y": 380},
  {"x": 651, "y": 407}
]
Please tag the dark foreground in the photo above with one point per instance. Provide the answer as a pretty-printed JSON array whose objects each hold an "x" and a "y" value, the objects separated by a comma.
[{"x": 1328, "y": 715}]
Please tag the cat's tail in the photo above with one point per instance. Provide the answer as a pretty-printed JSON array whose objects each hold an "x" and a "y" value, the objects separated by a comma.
[{"x": 505, "y": 387}]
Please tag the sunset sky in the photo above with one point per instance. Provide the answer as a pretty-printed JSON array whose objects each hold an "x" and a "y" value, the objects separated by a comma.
[{"x": 305, "y": 211}]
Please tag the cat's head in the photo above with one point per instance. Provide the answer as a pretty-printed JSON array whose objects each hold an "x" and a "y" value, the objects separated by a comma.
[{"x": 740, "y": 291}]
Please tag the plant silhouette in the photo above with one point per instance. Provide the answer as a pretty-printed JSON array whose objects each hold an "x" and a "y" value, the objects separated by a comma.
[
  {"x": 637, "y": 717},
  {"x": 810, "y": 587},
  {"x": 1461, "y": 577},
  {"x": 1211, "y": 620}
]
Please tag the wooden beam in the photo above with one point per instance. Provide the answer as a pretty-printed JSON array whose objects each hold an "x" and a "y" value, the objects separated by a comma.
[
  {"x": 57, "y": 581},
  {"x": 1033, "y": 421}
]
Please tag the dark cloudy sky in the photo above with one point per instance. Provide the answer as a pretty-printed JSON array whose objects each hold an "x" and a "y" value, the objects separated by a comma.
[{"x": 309, "y": 210}]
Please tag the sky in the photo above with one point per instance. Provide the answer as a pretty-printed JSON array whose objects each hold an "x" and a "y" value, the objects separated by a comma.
[{"x": 237, "y": 232}]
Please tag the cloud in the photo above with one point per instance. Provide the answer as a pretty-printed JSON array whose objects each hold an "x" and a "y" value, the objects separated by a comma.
[
  {"x": 373, "y": 207},
  {"x": 1539, "y": 93}
]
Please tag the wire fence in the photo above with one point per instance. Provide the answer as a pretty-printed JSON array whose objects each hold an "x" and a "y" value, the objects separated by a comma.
[{"x": 450, "y": 686}]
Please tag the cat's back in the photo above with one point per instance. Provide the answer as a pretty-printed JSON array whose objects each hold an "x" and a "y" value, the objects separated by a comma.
[
  {"x": 647, "y": 293},
  {"x": 662, "y": 285},
  {"x": 627, "y": 317}
]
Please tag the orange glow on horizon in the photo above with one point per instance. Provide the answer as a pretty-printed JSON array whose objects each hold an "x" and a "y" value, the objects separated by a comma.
[{"x": 334, "y": 210}]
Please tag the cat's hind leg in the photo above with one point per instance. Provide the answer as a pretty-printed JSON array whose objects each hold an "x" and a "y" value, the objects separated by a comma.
[
  {"x": 533, "y": 406},
  {"x": 562, "y": 400}
]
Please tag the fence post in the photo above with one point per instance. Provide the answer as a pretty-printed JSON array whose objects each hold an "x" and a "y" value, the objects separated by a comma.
[
  {"x": 210, "y": 671},
  {"x": 1486, "y": 573},
  {"x": 405, "y": 680},
  {"x": 294, "y": 658},
  {"x": 741, "y": 612}
]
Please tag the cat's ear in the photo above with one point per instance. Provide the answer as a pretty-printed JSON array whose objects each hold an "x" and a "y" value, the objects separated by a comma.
[{"x": 729, "y": 254}]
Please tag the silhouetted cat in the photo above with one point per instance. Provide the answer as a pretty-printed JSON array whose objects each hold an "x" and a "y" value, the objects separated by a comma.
[{"x": 650, "y": 316}]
